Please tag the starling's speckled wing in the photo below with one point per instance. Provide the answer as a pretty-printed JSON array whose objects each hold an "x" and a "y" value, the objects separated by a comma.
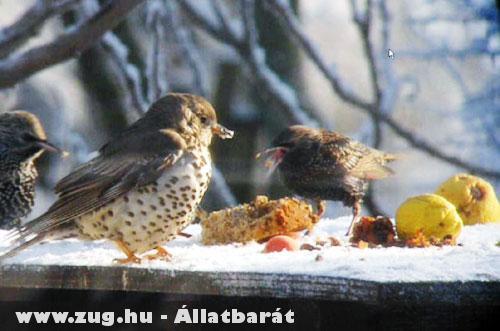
[
  {"x": 113, "y": 173},
  {"x": 372, "y": 166},
  {"x": 355, "y": 159}
]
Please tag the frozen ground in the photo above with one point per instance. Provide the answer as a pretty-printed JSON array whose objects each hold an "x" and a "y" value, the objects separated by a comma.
[{"x": 477, "y": 259}]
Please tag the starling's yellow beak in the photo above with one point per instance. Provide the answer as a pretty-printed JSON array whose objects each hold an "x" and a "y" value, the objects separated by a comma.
[{"x": 222, "y": 132}]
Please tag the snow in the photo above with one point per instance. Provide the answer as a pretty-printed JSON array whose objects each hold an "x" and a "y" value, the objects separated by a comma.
[{"x": 477, "y": 258}]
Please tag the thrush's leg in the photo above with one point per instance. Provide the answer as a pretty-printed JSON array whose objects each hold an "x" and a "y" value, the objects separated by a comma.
[
  {"x": 355, "y": 215},
  {"x": 161, "y": 253},
  {"x": 321, "y": 207},
  {"x": 131, "y": 258}
]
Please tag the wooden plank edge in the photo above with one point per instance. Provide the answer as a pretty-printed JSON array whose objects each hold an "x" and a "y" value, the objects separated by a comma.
[{"x": 248, "y": 284}]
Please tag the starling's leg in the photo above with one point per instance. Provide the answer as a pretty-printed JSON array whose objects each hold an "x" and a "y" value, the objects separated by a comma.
[
  {"x": 131, "y": 258},
  {"x": 355, "y": 215},
  {"x": 161, "y": 253},
  {"x": 321, "y": 207}
]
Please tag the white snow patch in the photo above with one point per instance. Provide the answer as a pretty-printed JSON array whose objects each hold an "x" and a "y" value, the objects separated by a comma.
[{"x": 478, "y": 257}]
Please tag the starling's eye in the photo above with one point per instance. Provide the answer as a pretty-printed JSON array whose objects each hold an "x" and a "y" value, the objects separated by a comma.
[
  {"x": 28, "y": 137},
  {"x": 286, "y": 145}
]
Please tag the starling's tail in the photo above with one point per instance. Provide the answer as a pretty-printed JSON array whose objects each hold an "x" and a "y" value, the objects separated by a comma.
[
  {"x": 373, "y": 166},
  {"x": 389, "y": 157}
]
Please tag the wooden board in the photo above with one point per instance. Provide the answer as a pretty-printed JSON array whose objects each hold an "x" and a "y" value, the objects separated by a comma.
[{"x": 247, "y": 284}]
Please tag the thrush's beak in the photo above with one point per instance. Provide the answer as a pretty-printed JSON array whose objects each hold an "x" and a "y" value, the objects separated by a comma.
[
  {"x": 222, "y": 132},
  {"x": 274, "y": 156}
]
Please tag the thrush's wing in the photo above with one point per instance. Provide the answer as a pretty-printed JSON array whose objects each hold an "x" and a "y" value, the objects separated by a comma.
[{"x": 112, "y": 174}]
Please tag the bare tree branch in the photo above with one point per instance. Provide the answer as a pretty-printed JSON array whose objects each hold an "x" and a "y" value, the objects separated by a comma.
[
  {"x": 363, "y": 20},
  {"x": 191, "y": 55},
  {"x": 212, "y": 28},
  {"x": 364, "y": 23},
  {"x": 153, "y": 63},
  {"x": 155, "y": 66},
  {"x": 221, "y": 15},
  {"x": 387, "y": 95},
  {"x": 75, "y": 41},
  {"x": 445, "y": 60},
  {"x": 390, "y": 90},
  {"x": 128, "y": 75},
  {"x": 446, "y": 52},
  {"x": 128, "y": 72},
  {"x": 254, "y": 56},
  {"x": 284, "y": 14},
  {"x": 26, "y": 26}
]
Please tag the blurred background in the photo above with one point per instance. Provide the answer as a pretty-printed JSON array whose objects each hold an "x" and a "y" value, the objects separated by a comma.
[{"x": 417, "y": 77}]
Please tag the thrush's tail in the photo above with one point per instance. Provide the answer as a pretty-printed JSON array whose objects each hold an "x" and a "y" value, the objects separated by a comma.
[
  {"x": 18, "y": 244},
  {"x": 18, "y": 247}
]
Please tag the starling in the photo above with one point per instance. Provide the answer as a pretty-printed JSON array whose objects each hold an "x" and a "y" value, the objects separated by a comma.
[
  {"x": 142, "y": 189},
  {"x": 323, "y": 165},
  {"x": 22, "y": 141}
]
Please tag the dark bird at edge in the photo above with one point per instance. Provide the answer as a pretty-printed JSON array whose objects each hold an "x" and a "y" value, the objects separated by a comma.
[
  {"x": 22, "y": 141},
  {"x": 324, "y": 165}
]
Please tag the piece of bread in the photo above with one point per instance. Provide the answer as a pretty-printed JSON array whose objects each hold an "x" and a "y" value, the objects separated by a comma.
[{"x": 258, "y": 220}]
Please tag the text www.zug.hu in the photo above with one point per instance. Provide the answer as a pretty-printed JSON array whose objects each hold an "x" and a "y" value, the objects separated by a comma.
[{"x": 82, "y": 317}]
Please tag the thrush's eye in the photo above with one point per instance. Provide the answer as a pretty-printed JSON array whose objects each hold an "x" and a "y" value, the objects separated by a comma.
[{"x": 204, "y": 120}]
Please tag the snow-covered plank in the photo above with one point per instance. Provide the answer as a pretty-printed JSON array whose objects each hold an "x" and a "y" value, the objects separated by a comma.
[{"x": 469, "y": 273}]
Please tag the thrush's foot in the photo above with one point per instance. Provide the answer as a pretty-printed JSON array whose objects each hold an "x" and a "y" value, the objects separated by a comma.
[
  {"x": 131, "y": 258},
  {"x": 161, "y": 254},
  {"x": 128, "y": 260}
]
